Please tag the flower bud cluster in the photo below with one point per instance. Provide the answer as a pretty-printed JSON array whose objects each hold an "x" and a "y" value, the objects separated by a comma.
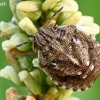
[{"x": 28, "y": 17}]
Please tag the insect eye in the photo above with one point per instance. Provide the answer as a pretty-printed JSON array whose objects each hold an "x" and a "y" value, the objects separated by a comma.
[{"x": 55, "y": 28}]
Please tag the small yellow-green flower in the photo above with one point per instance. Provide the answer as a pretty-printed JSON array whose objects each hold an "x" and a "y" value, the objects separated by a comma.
[
  {"x": 30, "y": 82},
  {"x": 30, "y": 9},
  {"x": 11, "y": 74},
  {"x": 27, "y": 26},
  {"x": 9, "y": 28},
  {"x": 86, "y": 23}
]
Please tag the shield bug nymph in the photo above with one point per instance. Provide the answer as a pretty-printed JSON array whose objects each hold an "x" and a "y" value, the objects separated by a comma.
[{"x": 69, "y": 56}]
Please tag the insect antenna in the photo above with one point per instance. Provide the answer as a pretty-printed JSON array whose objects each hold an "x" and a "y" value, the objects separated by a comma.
[
  {"x": 22, "y": 44},
  {"x": 54, "y": 15},
  {"x": 33, "y": 45}
]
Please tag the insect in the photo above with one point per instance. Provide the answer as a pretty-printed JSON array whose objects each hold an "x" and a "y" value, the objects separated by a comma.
[{"x": 69, "y": 56}]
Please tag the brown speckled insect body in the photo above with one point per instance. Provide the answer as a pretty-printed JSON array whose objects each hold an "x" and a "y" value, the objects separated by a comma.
[{"x": 69, "y": 56}]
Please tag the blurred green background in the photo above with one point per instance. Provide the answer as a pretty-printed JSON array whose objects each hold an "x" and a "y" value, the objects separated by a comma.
[{"x": 87, "y": 7}]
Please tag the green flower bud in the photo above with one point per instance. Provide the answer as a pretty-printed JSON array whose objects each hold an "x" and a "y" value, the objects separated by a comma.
[
  {"x": 13, "y": 94},
  {"x": 30, "y": 82},
  {"x": 20, "y": 38},
  {"x": 51, "y": 94},
  {"x": 53, "y": 90},
  {"x": 10, "y": 73},
  {"x": 50, "y": 14},
  {"x": 68, "y": 6},
  {"x": 72, "y": 19},
  {"x": 73, "y": 98},
  {"x": 63, "y": 16},
  {"x": 65, "y": 94},
  {"x": 30, "y": 9},
  {"x": 7, "y": 45},
  {"x": 9, "y": 28},
  {"x": 35, "y": 62},
  {"x": 37, "y": 76},
  {"x": 49, "y": 81},
  {"x": 27, "y": 26},
  {"x": 49, "y": 4},
  {"x": 24, "y": 62}
]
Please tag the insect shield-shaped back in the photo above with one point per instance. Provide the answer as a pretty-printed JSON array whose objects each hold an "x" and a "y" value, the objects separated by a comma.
[{"x": 69, "y": 56}]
